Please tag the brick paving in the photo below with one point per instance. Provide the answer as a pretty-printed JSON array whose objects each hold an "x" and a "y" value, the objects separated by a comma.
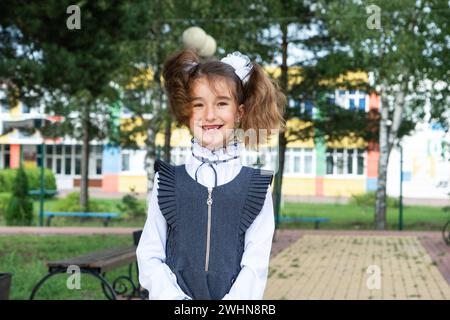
[
  {"x": 439, "y": 252},
  {"x": 309, "y": 264},
  {"x": 328, "y": 264}
]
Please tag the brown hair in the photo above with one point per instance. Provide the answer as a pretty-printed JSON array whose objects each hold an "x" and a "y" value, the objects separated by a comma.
[{"x": 263, "y": 101}]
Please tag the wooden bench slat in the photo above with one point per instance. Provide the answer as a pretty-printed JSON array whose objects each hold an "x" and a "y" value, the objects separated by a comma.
[
  {"x": 104, "y": 260},
  {"x": 97, "y": 255}
]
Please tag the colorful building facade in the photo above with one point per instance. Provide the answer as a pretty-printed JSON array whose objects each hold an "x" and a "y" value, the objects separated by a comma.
[{"x": 312, "y": 168}]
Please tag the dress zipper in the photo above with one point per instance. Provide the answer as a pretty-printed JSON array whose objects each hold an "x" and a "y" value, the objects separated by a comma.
[{"x": 208, "y": 236}]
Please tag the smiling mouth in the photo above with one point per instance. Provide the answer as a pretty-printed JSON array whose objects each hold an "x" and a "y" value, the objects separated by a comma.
[{"x": 212, "y": 127}]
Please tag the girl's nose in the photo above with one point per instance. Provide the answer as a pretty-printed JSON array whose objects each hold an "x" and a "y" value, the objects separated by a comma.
[{"x": 210, "y": 113}]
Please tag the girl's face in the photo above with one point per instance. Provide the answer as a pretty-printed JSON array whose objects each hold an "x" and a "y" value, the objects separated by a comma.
[{"x": 214, "y": 113}]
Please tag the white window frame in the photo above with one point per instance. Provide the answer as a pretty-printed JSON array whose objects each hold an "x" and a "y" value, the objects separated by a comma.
[
  {"x": 344, "y": 100},
  {"x": 335, "y": 154},
  {"x": 293, "y": 152},
  {"x": 93, "y": 156}
]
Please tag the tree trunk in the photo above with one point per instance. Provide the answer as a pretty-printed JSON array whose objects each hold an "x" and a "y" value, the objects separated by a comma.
[
  {"x": 279, "y": 176},
  {"x": 380, "y": 202},
  {"x": 387, "y": 139},
  {"x": 150, "y": 157},
  {"x": 152, "y": 131},
  {"x": 167, "y": 136},
  {"x": 154, "y": 124},
  {"x": 282, "y": 140},
  {"x": 84, "y": 191}
]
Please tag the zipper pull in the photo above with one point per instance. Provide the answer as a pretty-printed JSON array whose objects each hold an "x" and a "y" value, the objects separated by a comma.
[
  {"x": 208, "y": 230},
  {"x": 209, "y": 200}
]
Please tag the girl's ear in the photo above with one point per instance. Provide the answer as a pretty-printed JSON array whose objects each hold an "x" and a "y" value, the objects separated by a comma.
[{"x": 240, "y": 111}]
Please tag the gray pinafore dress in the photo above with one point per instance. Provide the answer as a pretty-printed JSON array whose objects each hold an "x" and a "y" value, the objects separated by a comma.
[{"x": 206, "y": 226}]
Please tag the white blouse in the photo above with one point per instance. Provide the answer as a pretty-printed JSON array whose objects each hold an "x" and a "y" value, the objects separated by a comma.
[{"x": 156, "y": 276}]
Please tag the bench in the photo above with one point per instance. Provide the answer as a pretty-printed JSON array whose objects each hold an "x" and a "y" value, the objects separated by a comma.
[
  {"x": 316, "y": 220},
  {"x": 97, "y": 264},
  {"x": 46, "y": 192},
  {"x": 106, "y": 216}
]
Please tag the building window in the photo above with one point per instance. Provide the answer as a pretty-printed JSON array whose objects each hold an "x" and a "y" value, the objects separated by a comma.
[
  {"x": 360, "y": 162},
  {"x": 4, "y": 156},
  {"x": 340, "y": 161},
  {"x": 308, "y": 163},
  {"x": 98, "y": 166},
  {"x": 344, "y": 161},
  {"x": 77, "y": 166},
  {"x": 125, "y": 162},
  {"x": 25, "y": 108},
  {"x": 77, "y": 157},
  {"x": 299, "y": 161},
  {"x": 352, "y": 99},
  {"x": 68, "y": 160},
  {"x": 49, "y": 157},
  {"x": 58, "y": 165},
  {"x": 4, "y": 108},
  {"x": 97, "y": 159}
]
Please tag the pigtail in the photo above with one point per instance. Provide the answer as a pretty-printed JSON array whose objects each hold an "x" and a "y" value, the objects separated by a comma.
[
  {"x": 176, "y": 71},
  {"x": 264, "y": 103}
]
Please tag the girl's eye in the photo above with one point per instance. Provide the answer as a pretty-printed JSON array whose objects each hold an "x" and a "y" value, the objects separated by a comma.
[
  {"x": 223, "y": 103},
  {"x": 198, "y": 105}
]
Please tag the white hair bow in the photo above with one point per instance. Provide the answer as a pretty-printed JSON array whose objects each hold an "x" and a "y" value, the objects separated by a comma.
[{"x": 241, "y": 64}]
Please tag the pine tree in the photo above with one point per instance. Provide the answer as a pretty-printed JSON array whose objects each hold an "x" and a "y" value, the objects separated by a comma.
[{"x": 20, "y": 208}]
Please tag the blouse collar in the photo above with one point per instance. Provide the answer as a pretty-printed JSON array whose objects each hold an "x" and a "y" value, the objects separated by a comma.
[{"x": 230, "y": 151}]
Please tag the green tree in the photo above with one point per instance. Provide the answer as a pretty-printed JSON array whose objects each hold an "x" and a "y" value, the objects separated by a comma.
[
  {"x": 71, "y": 71},
  {"x": 275, "y": 29},
  {"x": 19, "y": 211},
  {"x": 263, "y": 30},
  {"x": 234, "y": 25},
  {"x": 406, "y": 54}
]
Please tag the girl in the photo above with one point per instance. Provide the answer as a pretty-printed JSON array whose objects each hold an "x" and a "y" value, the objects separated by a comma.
[{"x": 210, "y": 222}]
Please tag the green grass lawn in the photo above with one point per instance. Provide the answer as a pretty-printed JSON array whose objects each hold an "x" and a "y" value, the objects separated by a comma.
[
  {"x": 343, "y": 216},
  {"x": 353, "y": 217},
  {"x": 25, "y": 257}
]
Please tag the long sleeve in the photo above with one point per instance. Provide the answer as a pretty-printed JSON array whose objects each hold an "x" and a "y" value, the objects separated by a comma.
[
  {"x": 154, "y": 274},
  {"x": 252, "y": 278}
]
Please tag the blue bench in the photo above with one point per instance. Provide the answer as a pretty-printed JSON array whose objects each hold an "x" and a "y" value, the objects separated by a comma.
[
  {"x": 316, "y": 220},
  {"x": 46, "y": 192},
  {"x": 107, "y": 216}
]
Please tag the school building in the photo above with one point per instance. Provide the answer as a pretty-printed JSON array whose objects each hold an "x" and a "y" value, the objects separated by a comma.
[{"x": 312, "y": 168}]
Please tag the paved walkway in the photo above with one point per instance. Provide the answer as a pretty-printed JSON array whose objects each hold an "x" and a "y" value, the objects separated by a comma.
[
  {"x": 323, "y": 264},
  {"x": 336, "y": 265}
]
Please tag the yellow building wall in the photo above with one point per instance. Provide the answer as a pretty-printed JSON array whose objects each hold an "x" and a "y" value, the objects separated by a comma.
[
  {"x": 348, "y": 142},
  {"x": 30, "y": 164},
  {"x": 15, "y": 111},
  {"x": 299, "y": 186},
  {"x": 126, "y": 183},
  {"x": 343, "y": 187}
]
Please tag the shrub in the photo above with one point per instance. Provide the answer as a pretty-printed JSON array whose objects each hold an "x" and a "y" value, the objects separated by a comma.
[
  {"x": 367, "y": 201},
  {"x": 4, "y": 199},
  {"x": 71, "y": 203},
  {"x": 7, "y": 177},
  {"x": 131, "y": 207},
  {"x": 20, "y": 207}
]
